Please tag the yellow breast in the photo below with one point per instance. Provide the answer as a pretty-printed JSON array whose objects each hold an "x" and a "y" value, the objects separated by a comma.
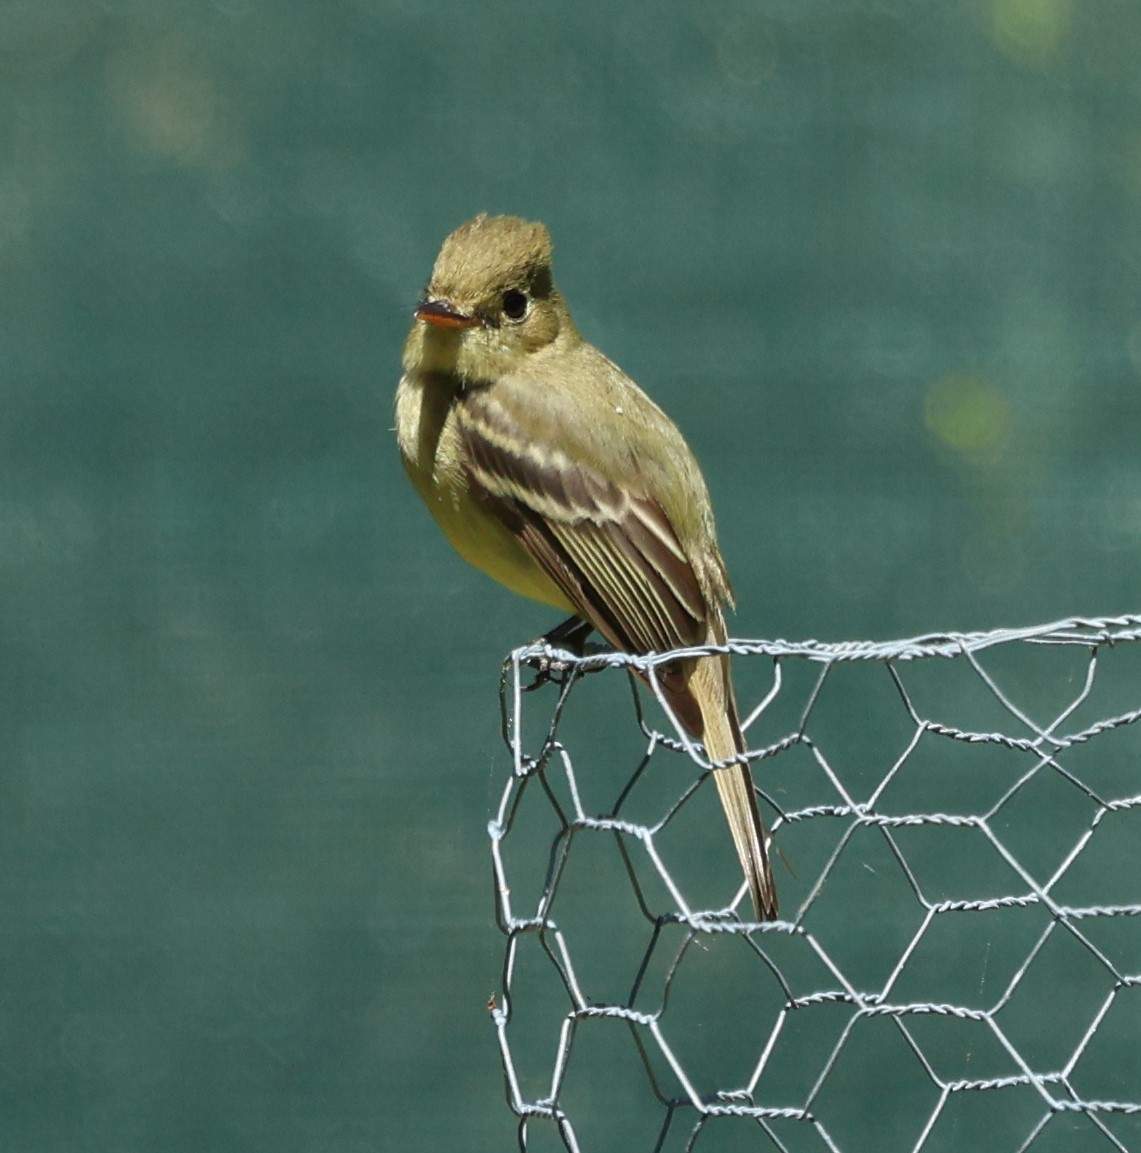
[{"x": 433, "y": 455}]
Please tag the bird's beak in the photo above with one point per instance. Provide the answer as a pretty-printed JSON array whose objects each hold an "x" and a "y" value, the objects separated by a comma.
[{"x": 444, "y": 314}]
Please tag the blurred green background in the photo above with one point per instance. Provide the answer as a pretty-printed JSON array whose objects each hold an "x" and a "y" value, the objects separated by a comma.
[{"x": 879, "y": 260}]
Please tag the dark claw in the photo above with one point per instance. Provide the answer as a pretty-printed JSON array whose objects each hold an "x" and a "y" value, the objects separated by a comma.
[
  {"x": 571, "y": 635},
  {"x": 547, "y": 672}
]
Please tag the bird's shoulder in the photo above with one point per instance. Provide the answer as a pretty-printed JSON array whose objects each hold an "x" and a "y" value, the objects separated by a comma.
[{"x": 579, "y": 407}]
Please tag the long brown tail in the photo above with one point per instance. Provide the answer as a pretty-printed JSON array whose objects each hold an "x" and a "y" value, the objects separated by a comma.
[
  {"x": 712, "y": 691},
  {"x": 701, "y": 696}
]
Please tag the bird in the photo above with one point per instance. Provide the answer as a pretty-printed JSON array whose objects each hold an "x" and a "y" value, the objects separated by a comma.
[{"x": 551, "y": 471}]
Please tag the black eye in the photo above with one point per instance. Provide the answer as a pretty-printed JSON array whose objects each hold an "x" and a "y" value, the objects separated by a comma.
[{"x": 514, "y": 304}]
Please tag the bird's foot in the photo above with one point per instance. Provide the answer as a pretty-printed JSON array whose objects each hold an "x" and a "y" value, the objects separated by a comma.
[{"x": 570, "y": 636}]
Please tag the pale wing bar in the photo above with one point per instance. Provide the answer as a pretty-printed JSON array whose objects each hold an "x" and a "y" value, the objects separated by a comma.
[{"x": 614, "y": 555}]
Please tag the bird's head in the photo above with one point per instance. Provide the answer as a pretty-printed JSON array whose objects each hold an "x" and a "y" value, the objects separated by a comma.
[{"x": 491, "y": 302}]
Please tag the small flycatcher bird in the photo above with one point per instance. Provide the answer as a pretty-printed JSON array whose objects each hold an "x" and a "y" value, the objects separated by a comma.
[{"x": 553, "y": 472}]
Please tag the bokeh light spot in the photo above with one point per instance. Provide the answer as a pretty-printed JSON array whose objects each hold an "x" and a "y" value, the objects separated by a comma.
[
  {"x": 1031, "y": 31},
  {"x": 968, "y": 414}
]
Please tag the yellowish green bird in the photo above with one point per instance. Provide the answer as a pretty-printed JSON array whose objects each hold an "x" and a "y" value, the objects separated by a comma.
[{"x": 550, "y": 470}]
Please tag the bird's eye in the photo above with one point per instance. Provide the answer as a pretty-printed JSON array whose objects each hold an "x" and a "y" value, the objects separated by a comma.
[{"x": 515, "y": 304}]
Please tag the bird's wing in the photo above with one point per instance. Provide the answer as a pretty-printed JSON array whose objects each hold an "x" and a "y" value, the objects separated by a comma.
[
  {"x": 614, "y": 554},
  {"x": 612, "y": 551}
]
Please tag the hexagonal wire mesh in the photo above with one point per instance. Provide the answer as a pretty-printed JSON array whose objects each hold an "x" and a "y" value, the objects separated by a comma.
[{"x": 958, "y": 818}]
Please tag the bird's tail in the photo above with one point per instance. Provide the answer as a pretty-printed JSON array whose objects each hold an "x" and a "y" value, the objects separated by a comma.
[{"x": 707, "y": 708}]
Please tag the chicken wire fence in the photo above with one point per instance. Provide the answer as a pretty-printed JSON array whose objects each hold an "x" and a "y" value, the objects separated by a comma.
[{"x": 955, "y": 825}]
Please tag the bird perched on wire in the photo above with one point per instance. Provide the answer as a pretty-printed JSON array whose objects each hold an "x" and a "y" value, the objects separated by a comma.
[{"x": 553, "y": 472}]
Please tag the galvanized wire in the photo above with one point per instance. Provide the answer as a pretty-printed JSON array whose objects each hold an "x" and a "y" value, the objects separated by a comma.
[{"x": 1030, "y": 886}]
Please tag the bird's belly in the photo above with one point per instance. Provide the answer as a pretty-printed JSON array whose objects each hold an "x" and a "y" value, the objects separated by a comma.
[{"x": 484, "y": 542}]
